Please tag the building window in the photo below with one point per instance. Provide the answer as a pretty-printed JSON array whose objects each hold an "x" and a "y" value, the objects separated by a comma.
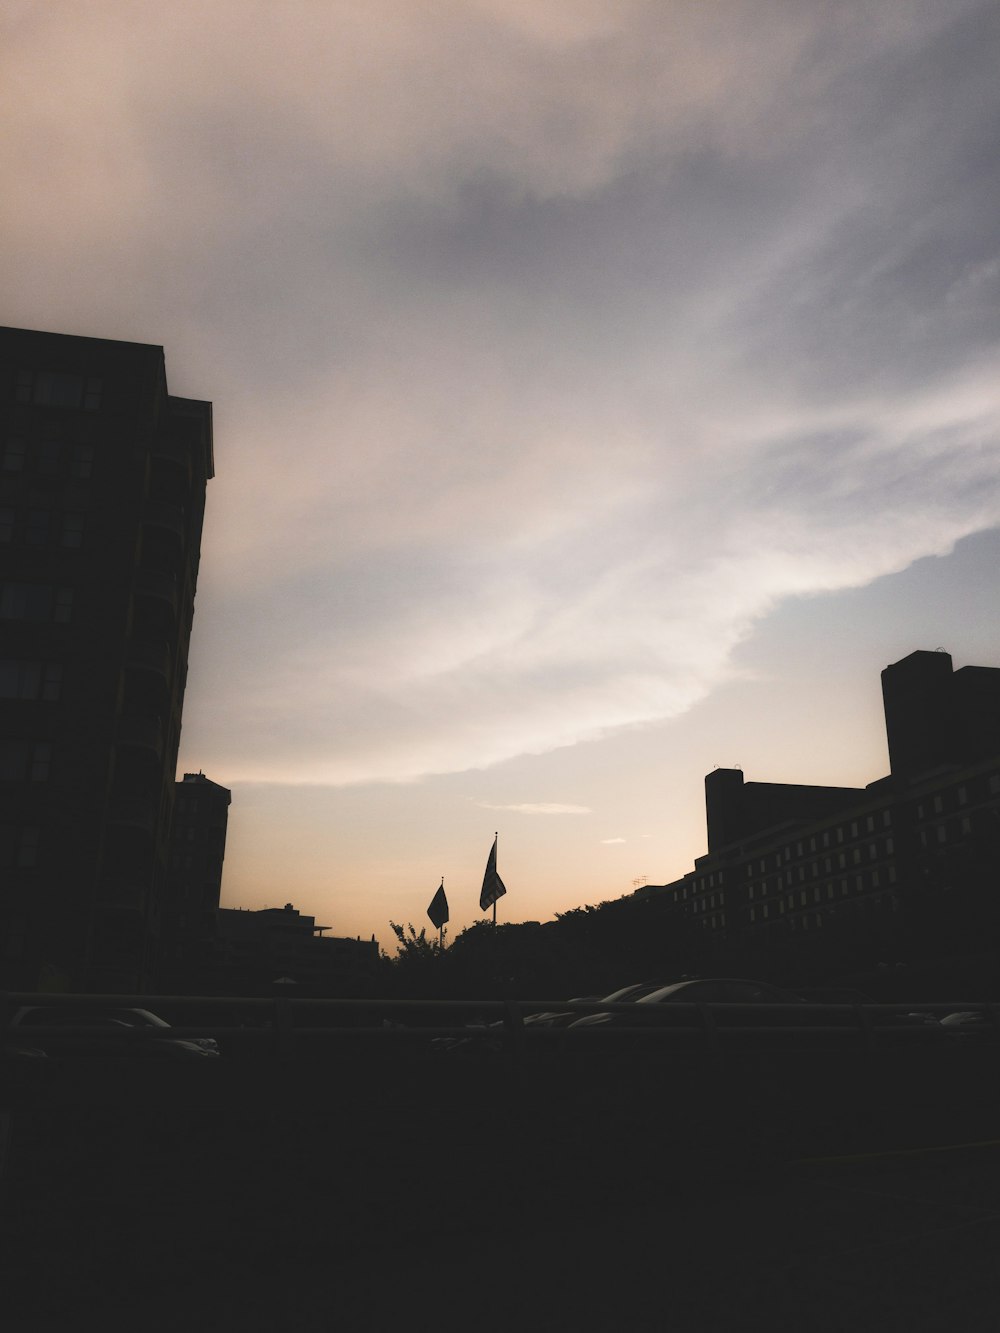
[
  {"x": 802, "y": 898},
  {"x": 14, "y": 452},
  {"x": 53, "y": 388},
  {"x": 870, "y": 823},
  {"x": 35, "y": 601},
  {"x": 859, "y": 883},
  {"x": 942, "y": 833},
  {"x": 889, "y": 847},
  {"x": 81, "y": 463},
  {"x": 886, "y": 819},
  {"x": 966, "y": 824},
  {"x": 826, "y": 839},
  {"x": 25, "y": 761},
  {"x": 829, "y": 892},
  {"x": 963, "y": 796},
  {"x": 18, "y": 847},
  {"x": 36, "y": 529},
  {"x": 72, "y": 529},
  {"x": 994, "y": 784},
  {"x": 840, "y": 835},
  {"x": 875, "y": 880},
  {"x": 890, "y": 874},
  {"x": 817, "y": 894},
  {"x": 938, "y": 805},
  {"x": 872, "y": 851},
  {"x": 29, "y": 680}
]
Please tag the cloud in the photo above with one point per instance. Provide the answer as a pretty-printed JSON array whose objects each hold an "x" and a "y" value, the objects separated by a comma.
[
  {"x": 551, "y": 346},
  {"x": 607, "y": 842},
  {"x": 544, "y": 808}
]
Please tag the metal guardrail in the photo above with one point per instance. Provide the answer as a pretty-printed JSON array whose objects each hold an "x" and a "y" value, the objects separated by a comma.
[{"x": 867, "y": 1027}]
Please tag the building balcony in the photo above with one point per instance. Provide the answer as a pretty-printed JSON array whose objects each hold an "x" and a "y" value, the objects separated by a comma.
[
  {"x": 152, "y": 657},
  {"x": 161, "y": 514},
  {"x": 133, "y": 812},
  {"x": 154, "y": 583},
  {"x": 172, "y": 449},
  {"x": 141, "y": 733}
]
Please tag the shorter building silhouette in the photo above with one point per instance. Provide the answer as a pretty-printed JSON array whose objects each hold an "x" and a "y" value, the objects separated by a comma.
[
  {"x": 278, "y": 945},
  {"x": 786, "y": 859},
  {"x": 189, "y": 928}
]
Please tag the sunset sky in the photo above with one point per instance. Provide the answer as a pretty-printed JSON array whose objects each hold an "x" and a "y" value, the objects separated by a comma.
[{"x": 604, "y": 391}]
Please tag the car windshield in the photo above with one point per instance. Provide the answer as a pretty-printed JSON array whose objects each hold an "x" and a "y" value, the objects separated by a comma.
[
  {"x": 139, "y": 1018},
  {"x": 667, "y": 992},
  {"x": 630, "y": 992}
]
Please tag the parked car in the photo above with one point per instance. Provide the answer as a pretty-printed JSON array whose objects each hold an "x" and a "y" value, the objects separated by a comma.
[
  {"x": 560, "y": 1018},
  {"x": 95, "y": 1030},
  {"x": 971, "y": 1025},
  {"x": 695, "y": 991},
  {"x": 914, "y": 1018}
]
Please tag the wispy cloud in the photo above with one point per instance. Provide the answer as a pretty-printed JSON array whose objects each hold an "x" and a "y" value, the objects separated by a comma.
[
  {"x": 543, "y": 808},
  {"x": 551, "y": 346},
  {"x": 608, "y": 842}
]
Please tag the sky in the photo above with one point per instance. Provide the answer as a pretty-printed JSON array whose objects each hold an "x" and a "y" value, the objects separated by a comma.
[{"x": 604, "y": 391}]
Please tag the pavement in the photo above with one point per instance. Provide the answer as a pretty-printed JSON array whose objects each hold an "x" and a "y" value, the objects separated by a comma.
[{"x": 495, "y": 1204}]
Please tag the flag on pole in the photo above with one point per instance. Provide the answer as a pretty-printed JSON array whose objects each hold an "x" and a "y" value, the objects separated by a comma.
[
  {"x": 438, "y": 910},
  {"x": 493, "y": 886}
]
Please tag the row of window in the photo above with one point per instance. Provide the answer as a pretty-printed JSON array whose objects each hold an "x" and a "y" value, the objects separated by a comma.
[
  {"x": 25, "y": 761},
  {"x": 815, "y": 920},
  {"x": 828, "y": 892},
  {"x": 858, "y": 855},
  {"x": 855, "y": 828},
  {"x": 940, "y": 832},
  {"x": 30, "y": 680},
  {"x": 41, "y": 527},
  {"x": 47, "y": 458},
  {"x": 56, "y": 388},
  {"x": 36, "y": 601}
]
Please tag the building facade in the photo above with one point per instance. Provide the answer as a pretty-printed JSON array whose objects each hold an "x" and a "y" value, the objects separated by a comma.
[
  {"x": 102, "y": 494},
  {"x": 189, "y": 935},
  {"x": 787, "y": 859},
  {"x": 279, "y": 947}
]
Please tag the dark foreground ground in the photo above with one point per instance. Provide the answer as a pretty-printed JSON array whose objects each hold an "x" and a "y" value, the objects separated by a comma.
[{"x": 611, "y": 1193}]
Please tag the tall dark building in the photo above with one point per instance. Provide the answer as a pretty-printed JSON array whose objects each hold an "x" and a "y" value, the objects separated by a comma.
[{"x": 102, "y": 497}]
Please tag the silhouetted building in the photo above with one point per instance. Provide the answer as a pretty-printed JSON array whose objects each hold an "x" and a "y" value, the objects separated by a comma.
[
  {"x": 279, "y": 945},
  {"x": 788, "y": 858},
  {"x": 102, "y": 495},
  {"x": 194, "y": 879}
]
